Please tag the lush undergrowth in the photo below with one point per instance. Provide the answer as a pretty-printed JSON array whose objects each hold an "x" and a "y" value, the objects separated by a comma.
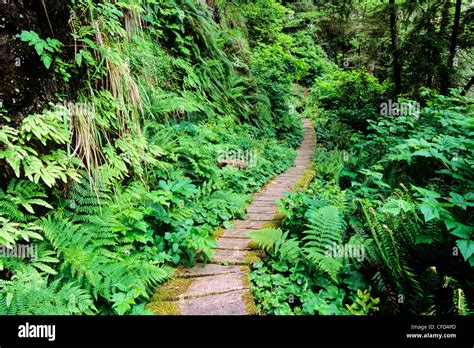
[
  {"x": 164, "y": 125},
  {"x": 155, "y": 121},
  {"x": 386, "y": 225},
  {"x": 113, "y": 243}
]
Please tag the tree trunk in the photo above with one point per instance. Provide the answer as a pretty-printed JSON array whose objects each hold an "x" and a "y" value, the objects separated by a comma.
[
  {"x": 454, "y": 35},
  {"x": 444, "y": 17},
  {"x": 447, "y": 82},
  {"x": 468, "y": 86},
  {"x": 443, "y": 34},
  {"x": 395, "y": 54}
]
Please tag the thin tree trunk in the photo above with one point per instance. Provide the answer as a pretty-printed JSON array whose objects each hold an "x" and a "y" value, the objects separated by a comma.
[
  {"x": 452, "y": 48},
  {"x": 444, "y": 17},
  {"x": 395, "y": 54},
  {"x": 468, "y": 86},
  {"x": 454, "y": 35},
  {"x": 429, "y": 75},
  {"x": 442, "y": 33}
]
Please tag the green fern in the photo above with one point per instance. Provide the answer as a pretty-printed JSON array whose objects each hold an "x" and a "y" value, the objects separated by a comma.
[
  {"x": 86, "y": 200},
  {"x": 289, "y": 249},
  {"x": 44, "y": 260},
  {"x": 17, "y": 203},
  {"x": 273, "y": 239},
  {"x": 390, "y": 250},
  {"x": 461, "y": 303},
  {"x": 28, "y": 293},
  {"x": 87, "y": 253},
  {"x": 326, "y": 229},
  {"x": 266, "y": 238},
  {"x": 16, "y": 212},
  {"x": 327, "y": 264}
]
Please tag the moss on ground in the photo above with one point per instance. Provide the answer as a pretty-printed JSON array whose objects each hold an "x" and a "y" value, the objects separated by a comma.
[
  {"x": 172, "y": 289},
  {"x": 305, "y": 180},
  {"x": 253, "y": 256},
  {"x": 244, "y": 268},
  {"x": 164, "y": 307},
  {"x": 164, "y": 300},
  {"x": 216, "y": 234},
  {"x": 252, "y": 245},
  {"x": 247, "y": 297},
  {"x": 272, "y": 224},
  {"x": 249, "y": 302}
]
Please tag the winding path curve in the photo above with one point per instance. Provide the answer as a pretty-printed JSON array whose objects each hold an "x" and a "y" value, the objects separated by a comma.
[{"x": 222, "y": 287}]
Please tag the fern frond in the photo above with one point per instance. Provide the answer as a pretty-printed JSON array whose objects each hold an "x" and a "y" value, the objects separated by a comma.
[
  {"x": 392, "y": 253},
  {"x": 22, "y": 194},
  {"x": 86, "y": 201},
  {"x": 266, "y": 238},
  {"x": 328, "y": 264},
  {"x": 273, "y": 239},
  {"x": 288, "y": 249},
  {"x": 29, "y": 294},
  {"x": 326, "y": 228},
  {"x": 461, "y": 303}
]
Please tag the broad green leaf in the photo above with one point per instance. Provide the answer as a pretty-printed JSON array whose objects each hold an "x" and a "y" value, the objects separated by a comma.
[
  {"x": 466, "y": 247},
  {"x": 428, "y": 212},
  {"x": 458, "y": 229},
  {"x": 47, "y": 60}
]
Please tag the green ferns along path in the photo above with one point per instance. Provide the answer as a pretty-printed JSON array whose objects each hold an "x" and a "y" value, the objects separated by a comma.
[{"x": 222, "y": 287}]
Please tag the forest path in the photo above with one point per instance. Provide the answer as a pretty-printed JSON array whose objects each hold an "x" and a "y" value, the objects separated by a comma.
[{"x": 222, "y": 286}]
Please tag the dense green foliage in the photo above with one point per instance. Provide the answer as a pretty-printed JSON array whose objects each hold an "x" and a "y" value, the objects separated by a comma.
[
  {"x": 120, "y": 181},
  {"x": 170, "y": 114},
  {"x": 405, "y": 231},
  {"x": 386, "y": 224}
]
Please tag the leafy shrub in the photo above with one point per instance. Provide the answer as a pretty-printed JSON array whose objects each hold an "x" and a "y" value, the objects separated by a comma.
[
  {"x": 355, "y": 95},
  {"x": 415, "y": 221}
]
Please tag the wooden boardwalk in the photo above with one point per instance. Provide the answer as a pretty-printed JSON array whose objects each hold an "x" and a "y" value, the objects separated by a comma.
[{"x": 222, "y": 287}]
